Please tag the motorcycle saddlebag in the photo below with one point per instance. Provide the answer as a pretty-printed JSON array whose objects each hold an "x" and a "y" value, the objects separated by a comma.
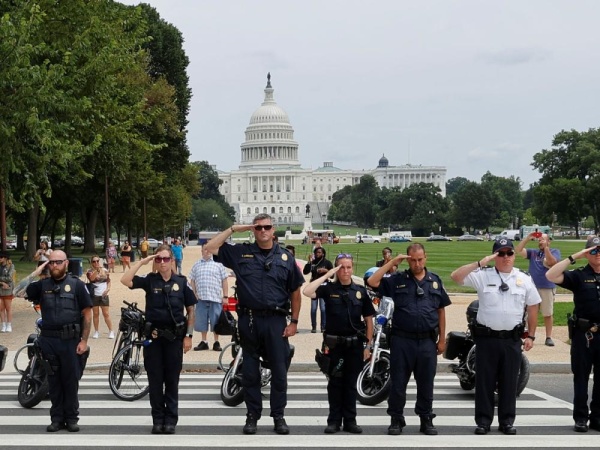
[
  {"x": 455, "y": 342},
  {"x": 3, "y": 355}
]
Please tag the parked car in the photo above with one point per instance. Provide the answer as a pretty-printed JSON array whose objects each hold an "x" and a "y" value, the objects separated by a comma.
[
  {"x": 437, "y": 237},
  {"x": 154, "y": 243},
  {"x": 469, "y": 237},
  {"x": 76, "y": 241},
  {"x": 367, "y": 238},
  {"x": 399, "y": 239}
]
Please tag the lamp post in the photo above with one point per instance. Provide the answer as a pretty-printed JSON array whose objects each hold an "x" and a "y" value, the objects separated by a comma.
[
  {"x": 214, "y": 219},
  {"x": 432, "y": 214}
]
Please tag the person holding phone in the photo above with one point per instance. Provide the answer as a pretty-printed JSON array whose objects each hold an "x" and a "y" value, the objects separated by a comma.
[{"x": 540, "y": 261}]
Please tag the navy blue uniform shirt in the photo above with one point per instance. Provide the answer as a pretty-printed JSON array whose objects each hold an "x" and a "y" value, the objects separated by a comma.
[
  {"x": 585, "y": 285},
  {"x": 412, "y": 312},
  {"x": 345, "y": 307},
  {"x": 263, "y": 282}
]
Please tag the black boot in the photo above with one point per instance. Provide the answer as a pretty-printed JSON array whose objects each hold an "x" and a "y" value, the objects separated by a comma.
[
  {"x": 427, "y": 425},
  {"x": 396, "y": 425}
]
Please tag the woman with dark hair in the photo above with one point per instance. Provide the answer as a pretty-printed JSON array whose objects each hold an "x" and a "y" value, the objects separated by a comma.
[
  {"x": 317, "y": 266},
  {"x": 170, "y": 326}
]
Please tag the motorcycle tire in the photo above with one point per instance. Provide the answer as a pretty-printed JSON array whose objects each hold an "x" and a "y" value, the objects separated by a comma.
[
  {"x": 232, "y": 392},
  {"x": 373, "y": 390},
  {"x": 33, "y": 389},
  {"x": 524, "y": 372},
  {"x": 468, "y": 385}
]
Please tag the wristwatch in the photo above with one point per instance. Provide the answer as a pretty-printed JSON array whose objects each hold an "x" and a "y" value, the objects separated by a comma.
[
  {"x": 531, "y": 337},
  {"x": 571, "y": 259},
  {"x": 294, "y": 321},
  {"x": 189, "y": 335}
]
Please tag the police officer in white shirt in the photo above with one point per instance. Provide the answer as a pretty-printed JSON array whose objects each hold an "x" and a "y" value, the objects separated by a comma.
[{"x": 505, "y": 293}]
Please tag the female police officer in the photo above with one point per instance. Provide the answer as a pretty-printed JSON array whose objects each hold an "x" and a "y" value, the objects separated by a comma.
[
  {"x": 167, "y": 295},
  {"x": 345, "y": 303}
]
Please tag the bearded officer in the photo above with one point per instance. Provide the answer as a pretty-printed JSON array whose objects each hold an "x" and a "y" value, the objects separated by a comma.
[{"x": 66, "y": 309}]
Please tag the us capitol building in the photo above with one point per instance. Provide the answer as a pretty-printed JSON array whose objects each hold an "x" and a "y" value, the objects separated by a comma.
[{"x": 271, "y": 180}]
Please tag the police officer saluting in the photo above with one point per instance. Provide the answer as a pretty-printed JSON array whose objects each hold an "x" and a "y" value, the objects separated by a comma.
[
  {"x": 168, "y": 300},
  {"x": 66, "y": 309},
  {"x": 268, "y": 279},
  {"x": 584, "y": 282},
  {"x": 504, "y": 294},
  {"x": 346, "y": 305},
  {"x": 418, "y": 333}
]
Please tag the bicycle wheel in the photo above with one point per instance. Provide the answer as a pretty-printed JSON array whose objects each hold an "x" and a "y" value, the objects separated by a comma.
[
  {"x": 33, "y": 387},
  {"x": 127, "y": 376}
]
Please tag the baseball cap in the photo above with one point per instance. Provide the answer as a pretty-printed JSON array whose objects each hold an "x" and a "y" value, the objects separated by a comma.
[
  {"x": 502, "y": 243},
  {"x": 593, "y": 242}
]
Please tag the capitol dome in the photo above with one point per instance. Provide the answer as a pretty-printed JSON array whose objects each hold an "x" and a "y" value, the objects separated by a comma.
[
  {"x": 269, "y": 136},
  {"x": 383, "y": 162}
]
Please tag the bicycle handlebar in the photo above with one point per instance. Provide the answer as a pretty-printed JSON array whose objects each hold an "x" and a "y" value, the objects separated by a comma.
[{"x": 133, "y": 306}]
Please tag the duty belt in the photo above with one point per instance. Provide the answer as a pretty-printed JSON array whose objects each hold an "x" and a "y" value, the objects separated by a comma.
[
  {"x": 432, "y": 334},
  {"x": 483, "y": 331},
  {"x": 333, "y": 341},
  {"x": 69, "y": 331},
  {"x": 261, "y": 312}
]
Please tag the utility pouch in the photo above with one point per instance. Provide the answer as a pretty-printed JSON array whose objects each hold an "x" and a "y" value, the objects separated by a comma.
[
  {"x": 167, "y": 334},
  {"x": 331, "y": 341},
  {"x": 571, "y": 324},
  {"x": 323, "y": 361},
  {"x": 148, "y": 329},
  {"x": 70, "y": 331},
  {"x": 583, "y": 325}
]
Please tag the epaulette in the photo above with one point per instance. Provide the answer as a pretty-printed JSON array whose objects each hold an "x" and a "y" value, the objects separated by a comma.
[
  {"x": 525, "y": 272},
  {"x": 486, "y": 267}
]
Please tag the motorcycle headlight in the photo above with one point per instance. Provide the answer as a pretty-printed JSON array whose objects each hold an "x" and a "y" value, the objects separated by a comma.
[{"x": 381, "y": 320}]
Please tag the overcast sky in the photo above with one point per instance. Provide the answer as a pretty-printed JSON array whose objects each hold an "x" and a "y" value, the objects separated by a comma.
[{"x": 471, "y": 85}]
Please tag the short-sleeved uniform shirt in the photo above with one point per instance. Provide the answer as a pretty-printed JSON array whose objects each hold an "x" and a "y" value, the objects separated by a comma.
[
  {"x": 537, "y": 270},
  {"x": 265, "y": 280},
  {"x": 165, "y": 300},
  {"x": 502, "y": 310},
  {"x": 585, "y": 285},
  {"x": 415, "y": 313},
  {"x": 345, "y": 307}
]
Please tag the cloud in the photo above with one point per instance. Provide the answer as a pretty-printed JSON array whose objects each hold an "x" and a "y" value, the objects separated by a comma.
[
  {"x": 269, "y": 59},
  {"x": 513, "y": 56},
  {"x": 498, "y": 151}
]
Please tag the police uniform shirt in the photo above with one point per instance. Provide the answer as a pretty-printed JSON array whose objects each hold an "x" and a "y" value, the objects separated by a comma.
[
  {"x": 165, "y": 300},
  {"x": 264, "y": 280},
  {"x": 70, "y": 298},
  {"x": 345, "y": 307},
  {"x": 502, "y": 310},
  {"x": 412, "y": 312},
  {"x": 585, "y": 285}
]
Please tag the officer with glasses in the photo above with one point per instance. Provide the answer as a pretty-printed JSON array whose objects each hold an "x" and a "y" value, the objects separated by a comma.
[
  {"x": 584, "y": 328},
  {"x": 505, "y": 295},
  {"x": 268, "y": 283},
  {"x": 170, "y": 317},
  {"x": 418, "y": 333}
]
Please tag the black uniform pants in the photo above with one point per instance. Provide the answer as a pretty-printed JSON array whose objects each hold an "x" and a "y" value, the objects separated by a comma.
[
  {"x": 497, "y": 362},
  {"x": 163, "y": 360},
  {"x": 412, "y": 356},
  {"x": 262, "y": 336},
  {"x": 341, "y": 390},
  {"x": 582, "y": 360},
  {"x": 64, "y": 382}
]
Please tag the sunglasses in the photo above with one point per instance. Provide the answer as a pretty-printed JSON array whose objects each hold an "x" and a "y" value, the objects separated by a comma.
[
  {"x": 95, "y": 260},
  {"x": 343, "y": 255},
  {"x": 56, "y": 262},
  {"x": 263, "y": 227},
  {"x": 162, "y": 259},
  {"x": 595, "y": 251},
  {"x": 508, "y": 253}
]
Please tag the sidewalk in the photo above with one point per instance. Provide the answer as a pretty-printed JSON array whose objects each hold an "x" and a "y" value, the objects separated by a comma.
[{"x": 543, "y": 359}]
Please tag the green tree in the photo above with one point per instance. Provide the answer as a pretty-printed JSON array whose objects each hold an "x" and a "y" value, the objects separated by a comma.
[
  {"x": 507, "y": 196},
  {"x": 474, "y": 207},
  {"x": 364, "y": 197}
]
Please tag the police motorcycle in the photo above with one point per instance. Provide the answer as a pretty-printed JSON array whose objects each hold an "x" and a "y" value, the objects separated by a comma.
[
  {"x": 33, "y": 386},
  {"x": 461, "y": 345},
  {"x": 232, "y": 390},
  {"x": 374, "y": 382}
]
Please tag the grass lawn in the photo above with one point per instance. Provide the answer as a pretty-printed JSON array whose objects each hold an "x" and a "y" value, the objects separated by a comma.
[{"x": 442, "y": 257}]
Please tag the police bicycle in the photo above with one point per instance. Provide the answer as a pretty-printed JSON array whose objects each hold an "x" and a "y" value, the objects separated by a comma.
[
  {"x": 33, "y": 386},
  {"x": 127, "y": 376}
]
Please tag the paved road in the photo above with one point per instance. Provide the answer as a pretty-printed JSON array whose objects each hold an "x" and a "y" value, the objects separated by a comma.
[{"x": 543, "y": 421}]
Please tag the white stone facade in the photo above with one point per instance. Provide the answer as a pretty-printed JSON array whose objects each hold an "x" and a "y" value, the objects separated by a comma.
[{"x": 271, "y": 180}]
